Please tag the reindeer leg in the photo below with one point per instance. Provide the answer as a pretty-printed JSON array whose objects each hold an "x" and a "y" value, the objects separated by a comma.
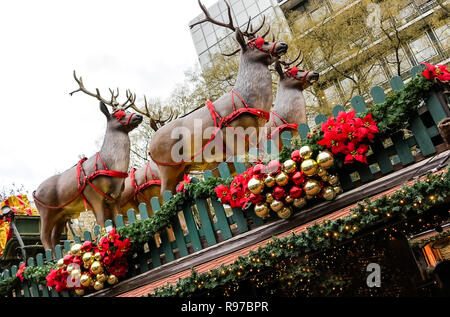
[
  {"x": 57, "y": 231},
  {"x": 170, "y": 177},
  {"x": 98, "y": 206},
  {"x": 47, "y": 225}
]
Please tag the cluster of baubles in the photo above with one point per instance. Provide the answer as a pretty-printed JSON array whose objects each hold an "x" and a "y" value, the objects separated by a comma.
[
  {"x": 93, "y": 276},
  {"x": 293, "y": 183}
]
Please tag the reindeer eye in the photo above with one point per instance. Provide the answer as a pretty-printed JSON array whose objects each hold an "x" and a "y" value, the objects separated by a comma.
[{"x": 266, "y": 43}]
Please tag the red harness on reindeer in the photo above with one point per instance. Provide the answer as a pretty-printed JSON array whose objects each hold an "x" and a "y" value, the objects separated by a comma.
[
  {"x": 83, "y": 180},
  {"x": 279, "y": 129},
  {"x": 138, "y": 189}
]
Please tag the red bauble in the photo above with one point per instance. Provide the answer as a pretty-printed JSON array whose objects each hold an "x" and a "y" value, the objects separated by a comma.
[
  {"x": 279, "y": 193},
  {"x": 273, "y": 167},
  {"x": 296, "y": 192},
  {"x": 256, "y": 199},
  {"x": 259, "y": 169},
  {"x": 295, "y": 156},
  {"x": 298, "y": 178}
]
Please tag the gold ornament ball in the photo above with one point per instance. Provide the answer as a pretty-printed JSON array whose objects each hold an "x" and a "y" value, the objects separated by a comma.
[
  {"x": 306, "y": 152},
  {"x": 96, "y": 268},
  {"x": 87, "y": 257},
  {"x": 87, "y": 265},
  {"x": 76, "y": 249},
  {"x": 310, "y": 197},
  {"x": 309, "y": 167},
  {"x": 75, "y": 272},
  {"x": 329, "y": 193},
  {"x": 289, "y": 166},
  {"x": 101, "y": 277},
  {"x": 285, "y": 213},
  {"x": 282, "y": 179},
  {"x": 97, "y": 256},
  {"x": 338, "y": 190},
  {"x": 325, "y": 159},
  {"x": 333, "y": 180},
  {"x": 325, "y": 178},
  {"x": 60, "y": 263},
  {"x": 312, "y": 187},
  {"x": 269, "y": 181},
  {"x": 98, "y": 285},
  {"x": 300, "y": 202},
  {"x": 79, "y": 291},
  {"x": 269, "y": 198},
  {"x": 321, "y": 172},
  {"x": 289, "y": 200},
  {"x": 85, "y": 280},
  {"x": 276, "y": 205},
  {"x": 255, "y": 186},
  {"x": 112, "y": 279},
  {"x": 262, "y": 210}
]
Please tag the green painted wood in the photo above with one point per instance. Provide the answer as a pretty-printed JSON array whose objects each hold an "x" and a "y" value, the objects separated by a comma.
[
  {"x": 77, "y": 239},
  {"x": 402, "y": 148},
  {"x": 383, "y": 160},
  {"x": 143, "y": 211},
  {"x": 303, "y": 130},
  {"x": 109, "y": 224},
  {"x": 119, "y": 221},
  {"x": 166, "y": 247},
  {"x": 417, "y": 70},
  {"x": 421, "y": 135},
  {"x": 34, "y": 286},
  {"x": 49, "y": 258},
  {"x": 270, "y": 147},
  {"x": 321, "y": 118},
  {"x": 239, "y": 166},
  {"x": 253, "y": 152},
  {"x": 67, "y": 246},
  {"x": 378, "y": 95},
  {"x": 238, "y": 216},
  {"x": 206, "y": 222},
  {"x": 97, "y": 230},
  {"x": 338, "y": 109},
  {"x": 154, "y": 253},
  {"x": 222, "y": 221},
  {"x": 87, "y": 236},
  {"x": 179, "y": 236},
  {"x": 435, "y": 108},
  {"x": 286, "y": 138},
  {"x": 364, "y": 173},
  {"x": 17, "y": 289},
  {"x": 194, "y": 236},
  {"x": 358, "y": 104},
  {"x": 397, "y": 83},
  {"x": 40, "y": 262},
  {"x": 131, "y": 214}
]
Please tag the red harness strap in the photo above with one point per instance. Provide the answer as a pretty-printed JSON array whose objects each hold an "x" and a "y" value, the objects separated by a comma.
[
  {"x": 220, "y": 122},
  {"x": 84, "y": 180},
  {"x": 281, "y": 128},
  {"x": 139, "y": 188}
]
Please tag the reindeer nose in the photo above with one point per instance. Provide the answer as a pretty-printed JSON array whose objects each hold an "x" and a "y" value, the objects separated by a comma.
[
  {"x": 138, "y": 117},
  {"x": 283, "y": 45}
]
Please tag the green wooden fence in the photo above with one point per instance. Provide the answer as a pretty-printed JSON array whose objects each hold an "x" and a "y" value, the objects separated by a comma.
[{"x": 204, "y": 223}]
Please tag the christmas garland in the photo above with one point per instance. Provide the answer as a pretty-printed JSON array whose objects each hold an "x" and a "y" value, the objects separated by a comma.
[
  {"x": 409, "y": 202},
  {"x": 423, "y": 242}
]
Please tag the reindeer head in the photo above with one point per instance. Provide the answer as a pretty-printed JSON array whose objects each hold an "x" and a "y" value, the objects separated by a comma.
[
  {"x": 119, "y": 118},
  {"x": 294, "y": 76},
  {"x": 253, "y": 47}
]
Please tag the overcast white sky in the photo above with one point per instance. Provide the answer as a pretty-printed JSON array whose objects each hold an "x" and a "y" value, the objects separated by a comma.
[{"x": 141, "y": 45}]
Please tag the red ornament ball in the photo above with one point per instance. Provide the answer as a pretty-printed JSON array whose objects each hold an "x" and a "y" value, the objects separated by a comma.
[
  {"x": 256, "y": 199},
  {"x": 296, "y": 192},
  {"x": 279, "y": 193},
  {"x": 273, "y": 167},
  {"x": 295, "y": 156},
  {"x": 259, "y": 169},
  {"x": 298, "y": 178}
]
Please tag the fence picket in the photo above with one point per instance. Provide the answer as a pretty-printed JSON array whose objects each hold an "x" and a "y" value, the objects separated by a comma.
[
  {"x": 49, "y": 258},
  {"x": 40, "y": 262},
  {"x": 286, "y": 139},
  {"x": 166, "y": 246},
  {"x": 303, "y": 130},
  {"x": 34, "y": 286},
  {"x": 179, "y": 236}
]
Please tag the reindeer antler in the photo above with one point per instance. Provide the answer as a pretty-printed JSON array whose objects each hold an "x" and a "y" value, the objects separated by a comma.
[
  {"x": 210, "y": 19},
  {"x": 156, "y": 120},
  {"x": 289, "y": 63},
  {"x": 113, "y": 102}
]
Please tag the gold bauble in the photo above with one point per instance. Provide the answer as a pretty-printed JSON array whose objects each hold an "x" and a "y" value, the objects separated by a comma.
[
  {"x": 276, "y": 205},
  {"x": 300, "y": 202},
  {"x": 101, "y": 277},
  {"x": 97, "y": 256},
  {"x": 96, "y": 267},
  {"x": 112, "y": 279},
  {"x": 60, "y": 263},
  {"x": 76, "y": 249},
  {"x": 269, "y": 181},
  {"x": 329, "y": 193},
  {"x": 285, "y": 213},
  {"x": 306, "y": 152},
  {"x": 338, "y": 190},
  {"x": 79, "y": 291},
  {"x": 282, "y": 179},
  {"x": 321, "y": 172},
  {"x": 255, "y": 186},
  {"x": 333, "y": 180},
  {"x": 262, "y": 210},
  {"x": 85, "y": 280},
  {"x": 289, "y": 166},
  {"x": 325, "y": 159},
  {"x": 325, "y": 178},
  {"x": 75, "y": 272},
  {"x": 310, "y": 197},
  {"x": 289, "y": 200},
  {"x": 87, "y": 257},
  {"x": 312, "y": 187},
  {"x": 87, "y": 265},
  {"x": 309, "y": 167},
  {"x": 98, "y": 285},
  {"x": 269, "y": 198}
]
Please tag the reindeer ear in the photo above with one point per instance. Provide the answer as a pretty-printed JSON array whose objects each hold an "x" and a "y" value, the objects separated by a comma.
[
  {"x": 279, "y": 69},
  {"x": 104, "y": 109},
  {"x": 241, "y": 39}
]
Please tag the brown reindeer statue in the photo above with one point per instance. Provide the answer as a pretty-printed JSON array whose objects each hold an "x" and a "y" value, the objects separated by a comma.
[
  {"x": 246, "y": 106},
  {"x": 95, "y": 182},
  {"x": 289, "y": 109}
]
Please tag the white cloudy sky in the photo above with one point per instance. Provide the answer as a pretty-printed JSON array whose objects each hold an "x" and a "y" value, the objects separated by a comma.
[{"x": 137, "y": 44}]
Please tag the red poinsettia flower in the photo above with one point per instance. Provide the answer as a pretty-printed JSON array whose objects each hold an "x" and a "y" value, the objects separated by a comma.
[
  {"x": 367, "y": 128},
  {"x": 20, "y": 272},
  {"x": 436, "y": 71},
  {"x": 345, "y": 117},
  {"x": 181, "y": 186},
  {"x": 223, "y": 193},
  {"x": 330, "y": 125},
  {"x": 87, "y": 246},
  {"x": 256, "y": 199},
  {"x": 358, "y": 154}
]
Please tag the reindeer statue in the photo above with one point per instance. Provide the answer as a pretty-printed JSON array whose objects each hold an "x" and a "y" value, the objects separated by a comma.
[
  {"x": 290, "y": 107},
  {"x": 96, "y": 182},
  {"x": 253, "y": 87}
]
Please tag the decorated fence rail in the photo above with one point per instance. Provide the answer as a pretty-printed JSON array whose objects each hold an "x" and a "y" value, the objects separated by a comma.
[{"x": 205, "y": 222}]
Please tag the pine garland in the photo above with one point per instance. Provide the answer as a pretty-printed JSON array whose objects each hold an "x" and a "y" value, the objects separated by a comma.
[{"x": 412, "y": 201}]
